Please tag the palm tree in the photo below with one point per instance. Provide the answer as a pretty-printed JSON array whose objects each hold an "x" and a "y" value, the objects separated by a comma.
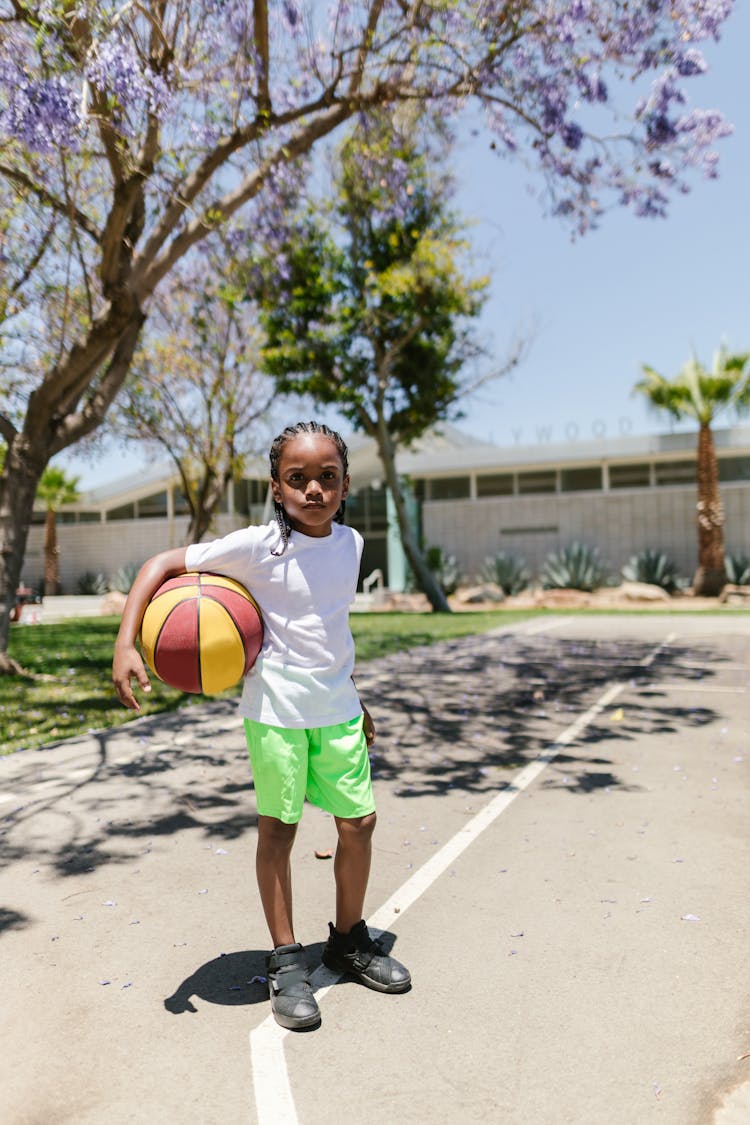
[
  {"x": 700, "y": 394},
  {"x": 55, "y": 488}
]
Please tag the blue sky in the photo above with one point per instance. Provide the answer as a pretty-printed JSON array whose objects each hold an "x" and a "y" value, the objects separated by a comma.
[{"x": 633, "y": 291}]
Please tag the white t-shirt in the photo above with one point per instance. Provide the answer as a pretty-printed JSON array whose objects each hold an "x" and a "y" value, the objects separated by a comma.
[{"x": 302, "y": 677}]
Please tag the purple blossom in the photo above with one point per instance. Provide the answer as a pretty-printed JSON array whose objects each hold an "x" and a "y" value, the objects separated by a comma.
[{"x": 43, "y": 114}]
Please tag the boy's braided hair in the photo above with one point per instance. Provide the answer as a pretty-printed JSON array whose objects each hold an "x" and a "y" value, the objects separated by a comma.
[{"x": 278, "y": 443}]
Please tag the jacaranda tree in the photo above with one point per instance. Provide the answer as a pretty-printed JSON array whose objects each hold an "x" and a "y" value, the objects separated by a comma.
[{"x": 129, "y": 132}]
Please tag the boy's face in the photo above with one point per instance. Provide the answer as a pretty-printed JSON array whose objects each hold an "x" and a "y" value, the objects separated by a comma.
[{"x": 311, "y": 483}]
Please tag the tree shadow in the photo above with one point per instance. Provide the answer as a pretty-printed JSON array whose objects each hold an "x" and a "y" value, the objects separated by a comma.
[{"x": 453, "y": 715}]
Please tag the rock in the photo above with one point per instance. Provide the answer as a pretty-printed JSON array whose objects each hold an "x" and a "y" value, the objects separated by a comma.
[
  {"x": 735, "y": 595},
  {"x": 642, "y": 592},
  {"x": 561, "y": 599},
  {"x": 475, "y": 595},
  {"x": 113, "y": 604}
]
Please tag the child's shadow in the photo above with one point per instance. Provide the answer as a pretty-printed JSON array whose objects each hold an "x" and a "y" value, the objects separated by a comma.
[
  {"x": 240, "y": 978},
  {"x": 231, "y": 978}
]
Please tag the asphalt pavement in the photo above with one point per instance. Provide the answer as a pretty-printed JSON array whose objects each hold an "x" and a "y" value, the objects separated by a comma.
[{"x": 561, "y": 860}]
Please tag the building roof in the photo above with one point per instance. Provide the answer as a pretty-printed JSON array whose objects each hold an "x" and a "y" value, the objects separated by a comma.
[{"x": 447, "y": 451}]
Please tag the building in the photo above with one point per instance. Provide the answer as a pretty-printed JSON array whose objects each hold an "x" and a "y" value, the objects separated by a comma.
[{"x": 471, "y": 498}]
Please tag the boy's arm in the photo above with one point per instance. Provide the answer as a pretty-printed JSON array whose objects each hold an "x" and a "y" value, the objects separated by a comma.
[{"x": 127, "y": 664}]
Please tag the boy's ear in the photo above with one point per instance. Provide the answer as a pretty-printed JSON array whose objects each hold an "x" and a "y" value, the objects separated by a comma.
[
  {"x": 276, "y": 491},
  {"x": 345, "y": 487}
]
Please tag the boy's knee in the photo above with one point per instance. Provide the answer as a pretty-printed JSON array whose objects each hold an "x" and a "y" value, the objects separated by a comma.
[
  {"x": 275, "y": 833},
  {"x": 359, "y": 828}
]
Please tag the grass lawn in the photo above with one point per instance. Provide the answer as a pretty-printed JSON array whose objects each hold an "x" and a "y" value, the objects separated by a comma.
[{"x": 68, "y": 690}]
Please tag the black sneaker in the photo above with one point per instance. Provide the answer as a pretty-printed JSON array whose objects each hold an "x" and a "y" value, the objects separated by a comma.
[
  {"x": 357, "y": 955},
  {"x": 292, "y": 1000}
]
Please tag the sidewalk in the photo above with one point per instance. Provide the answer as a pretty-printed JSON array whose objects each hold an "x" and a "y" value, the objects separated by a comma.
[{"x": 581, "y": 960}]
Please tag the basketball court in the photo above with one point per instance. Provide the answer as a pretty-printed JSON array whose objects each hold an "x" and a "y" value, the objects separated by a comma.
[{"x": 561, "y": 860}]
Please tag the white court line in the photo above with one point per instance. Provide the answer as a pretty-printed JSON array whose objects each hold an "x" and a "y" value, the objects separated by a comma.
[{"x": 273, "y": 1093}]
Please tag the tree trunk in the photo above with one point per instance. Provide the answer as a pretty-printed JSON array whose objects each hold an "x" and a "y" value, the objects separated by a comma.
[
  {"x": 20, "y": 478},
  {"x": 51, "y": 555},
  {"x": 424, "y": 576},
  {"x": 710, "y": 577}
]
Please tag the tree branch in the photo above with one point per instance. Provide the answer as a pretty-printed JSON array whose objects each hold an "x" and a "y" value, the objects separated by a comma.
[{"x": 46, "y": 196}]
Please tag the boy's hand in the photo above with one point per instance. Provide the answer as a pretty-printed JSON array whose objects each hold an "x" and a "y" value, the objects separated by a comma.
[
  {"x": 368, "y": 726},
  {"x": 127, "y": 665}
]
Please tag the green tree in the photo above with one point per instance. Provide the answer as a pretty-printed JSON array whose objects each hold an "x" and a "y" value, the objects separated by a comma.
[
  {"x": 371, "y": 307},
  {"x": 701, "y": 394}
]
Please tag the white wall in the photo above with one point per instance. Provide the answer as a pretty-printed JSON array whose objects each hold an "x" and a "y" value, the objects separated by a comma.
[
  {"x": 619, "y": 523},
  {"x": 105, "y": 547}
]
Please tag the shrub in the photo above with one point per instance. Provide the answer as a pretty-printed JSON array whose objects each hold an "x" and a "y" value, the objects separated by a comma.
[
  {"x": 738, "y": 569},
  {"x": 576, "y": 567},
  {"x": 653, "y": 567},
  {"x": 507, "y": 571},
  {"x": 444, "y": 567},
  {"x": 124, "y": 579},
  {"x": 90, "y": 583}
]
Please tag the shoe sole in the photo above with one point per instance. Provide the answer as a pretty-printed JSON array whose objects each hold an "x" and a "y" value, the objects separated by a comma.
[{"x": 376, "y": 986}]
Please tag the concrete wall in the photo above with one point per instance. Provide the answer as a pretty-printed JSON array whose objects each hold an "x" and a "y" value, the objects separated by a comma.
[
  {"x": 619, "y": 523},
  {"x": 105, "y": 547}
]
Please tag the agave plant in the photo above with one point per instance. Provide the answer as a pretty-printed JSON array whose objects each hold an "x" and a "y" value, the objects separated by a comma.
[
  {"x": 445, "y": 569},
  {"x": 506, "y": 571},
  {"x": 576, "y": 567},
  {"x": 653, "y": 567},
  {"x": 91, "y": 583},
  {"x": 124, "y": 579},
  {"x": 738, "y": 569}
]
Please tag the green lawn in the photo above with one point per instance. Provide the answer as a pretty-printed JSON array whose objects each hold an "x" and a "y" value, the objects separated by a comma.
[{"x": 68, "y": 690}]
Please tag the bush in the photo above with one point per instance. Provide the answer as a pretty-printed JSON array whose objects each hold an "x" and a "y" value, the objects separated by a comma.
[
  {"x": 124, "y": 579},
  {"x": 576, "y": 567},
  {"x": 507, "y": 571},
  {"x": 90, "y": 583},
  {"x": 738, "y": 569},
  {"x": 653, "y": 567},
  {"x": 445, "y": 569}
]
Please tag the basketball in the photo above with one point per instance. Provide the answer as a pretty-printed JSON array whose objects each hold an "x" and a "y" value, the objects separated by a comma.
[{"x": 201, "y": 633}]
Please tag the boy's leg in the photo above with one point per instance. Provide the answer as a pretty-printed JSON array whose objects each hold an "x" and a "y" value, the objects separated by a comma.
[
  {"x": 351, "y": 868},
  {"x": 349, "y": 948},
  {"x": 292, "y": 1000},
  {"x": 274, "y": 873}
]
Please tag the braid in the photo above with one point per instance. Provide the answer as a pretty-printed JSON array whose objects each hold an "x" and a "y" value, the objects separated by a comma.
[{"x": 278, "y": 443}]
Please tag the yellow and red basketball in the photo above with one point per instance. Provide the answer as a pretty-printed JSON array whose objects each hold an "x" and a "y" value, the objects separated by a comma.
[{"x": 201, "y": 632}]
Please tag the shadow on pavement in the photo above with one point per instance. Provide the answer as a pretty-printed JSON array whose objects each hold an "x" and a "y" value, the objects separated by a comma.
[{"x": 454, "y": 715}]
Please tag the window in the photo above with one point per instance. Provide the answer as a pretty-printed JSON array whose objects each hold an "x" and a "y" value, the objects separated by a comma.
[
  {"x": 581, "y": 480},
  {"x": 499, "y": 484},
  {"x": 151, "y": 506},
  {"x": 675, "y": 472},
  {"x": 629, "y": 476},
  {"x": 545, "y": 481},
  {"x": 125, "y": 512},
  {"x": 179, "y": 500},
  {"x": 734, "y": 468},
  {"x": 450, "y": 488}
]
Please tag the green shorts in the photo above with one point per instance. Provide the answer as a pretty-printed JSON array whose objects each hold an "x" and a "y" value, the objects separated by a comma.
[{"x": 330, "y": 766}]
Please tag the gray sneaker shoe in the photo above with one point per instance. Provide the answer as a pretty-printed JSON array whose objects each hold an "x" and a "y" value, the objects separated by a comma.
[
  {"x": 357, "y": 955},
  {"x": 293, "y": 1002}
]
